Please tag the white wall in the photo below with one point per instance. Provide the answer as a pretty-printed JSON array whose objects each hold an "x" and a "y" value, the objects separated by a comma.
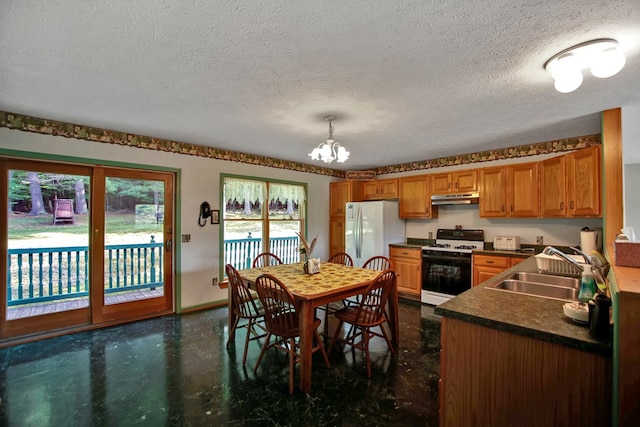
[
  {"x": 199, "y": 259},
  {"x": 631, "y": 160},
  {"x": 560, "y": 231}
]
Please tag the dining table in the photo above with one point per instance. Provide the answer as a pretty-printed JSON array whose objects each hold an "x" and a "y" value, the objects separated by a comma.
[{"x": 334, "y": 282}]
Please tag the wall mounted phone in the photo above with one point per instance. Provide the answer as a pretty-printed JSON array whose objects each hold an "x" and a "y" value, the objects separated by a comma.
[{"x": 207, "y": 212}]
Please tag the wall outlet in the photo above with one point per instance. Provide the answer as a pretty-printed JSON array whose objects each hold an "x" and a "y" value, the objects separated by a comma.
[
  {"x": 186, "y": 238},
  {"x": 214, "y": 281},
  {"x": 539, "y": 240}
]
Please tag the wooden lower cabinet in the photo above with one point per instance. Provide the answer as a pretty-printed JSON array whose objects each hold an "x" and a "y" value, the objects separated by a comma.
[
  {"x": 487, "y": 266},
  {"x": 408, "y": 264},
  {"x": 490, "y": 377}
]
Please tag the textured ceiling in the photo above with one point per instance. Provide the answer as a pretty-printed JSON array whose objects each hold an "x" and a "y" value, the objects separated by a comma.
[{"x": 408, "y": 80}]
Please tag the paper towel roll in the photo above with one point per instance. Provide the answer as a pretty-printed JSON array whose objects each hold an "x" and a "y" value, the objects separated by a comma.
[{"x": 588, "y": 241}]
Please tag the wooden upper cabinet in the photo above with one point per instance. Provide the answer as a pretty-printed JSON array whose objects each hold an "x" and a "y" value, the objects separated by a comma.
[
  {"x": 336, "y": 235},
  {"x": 570, "y": 184},
  {"x": 493, "y": 192},
  {"x": 341, "y": 192},
  {"x": 509, "y": 191},
  {"x": 522, "y": 190},
  {"x": 553, "y": 188},
  {"x": 415, "y": 197},
  {"x": 380, "y": 189},
  {"x": 455, "y": 182},
  {"x": 583, "y": 182}
]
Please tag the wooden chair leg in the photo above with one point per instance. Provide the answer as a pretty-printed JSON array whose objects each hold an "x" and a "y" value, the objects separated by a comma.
[
  {"x": 232, "y": 333},
  {"x": 247, "y": 339},
  {"x": 292, "y": 361},
  {"x": 335, "y": 336},
  {"x": 264, "y": 348}
]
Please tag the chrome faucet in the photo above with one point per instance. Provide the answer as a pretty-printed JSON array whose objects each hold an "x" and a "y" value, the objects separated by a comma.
[{"x": 550, "y": 250}]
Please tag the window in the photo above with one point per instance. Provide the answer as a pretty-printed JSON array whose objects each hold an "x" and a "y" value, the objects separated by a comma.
[{"x": 261, "y": 216}]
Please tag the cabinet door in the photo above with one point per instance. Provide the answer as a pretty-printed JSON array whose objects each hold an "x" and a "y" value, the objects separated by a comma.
[
  {"x": 583, "y": 171},
  {"x": 523, "y": 190},
  {"x": 493, "y": 192},
  {"x": 388, "y": 188},
  {"x": 370, "y": 190},
  {"x": 553, "y": 193},
  {"x": 415, "y": 197},
  {"x": 336, "y": 235},
  {"x": 465, "y": 181},
  {"x": 339, "y": 195},
  {"x": 441, "y": 183},
  {"x": 408, "y": 265},
  {"x": 483, "y": 273}
]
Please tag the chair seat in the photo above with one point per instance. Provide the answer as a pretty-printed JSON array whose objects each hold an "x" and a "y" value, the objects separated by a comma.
[{"x": 350, "y": 315}]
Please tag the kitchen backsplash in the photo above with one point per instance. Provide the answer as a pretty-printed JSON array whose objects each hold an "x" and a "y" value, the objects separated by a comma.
[{"x": 555, "y": 231}]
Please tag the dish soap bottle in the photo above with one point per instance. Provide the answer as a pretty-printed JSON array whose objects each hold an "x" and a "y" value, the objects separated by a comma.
[{"x": 587, "y": 285}]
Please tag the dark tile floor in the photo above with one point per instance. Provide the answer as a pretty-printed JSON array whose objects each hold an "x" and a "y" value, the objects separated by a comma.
[{"x": 176, "y": 370}]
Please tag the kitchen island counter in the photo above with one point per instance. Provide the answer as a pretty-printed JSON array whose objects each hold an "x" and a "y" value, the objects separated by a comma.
[{"x": 525, "y": 315}]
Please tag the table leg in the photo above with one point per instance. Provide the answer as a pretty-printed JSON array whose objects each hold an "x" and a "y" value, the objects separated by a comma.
[
  {"x": 306, "y": 344},
  {"x": 393, "y": 314}
]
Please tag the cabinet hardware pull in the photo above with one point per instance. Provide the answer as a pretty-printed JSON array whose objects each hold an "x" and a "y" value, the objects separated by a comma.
[
  {"x": 561, "y": 206},
  {"x": 489, "y": 261},
  {"x": 511, "y": 208},
  {"x": 456, "y": 185},
  {"x": 571, "y": 204},
  {"x": 502, "y": 208}
]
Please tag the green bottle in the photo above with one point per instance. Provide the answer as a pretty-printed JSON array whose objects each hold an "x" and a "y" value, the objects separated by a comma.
[{"x": 587, "y": 285}]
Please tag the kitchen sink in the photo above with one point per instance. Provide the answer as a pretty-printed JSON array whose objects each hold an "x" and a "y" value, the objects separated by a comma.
[
  {"x": 547, "y": 279},
  {"x": 540, "y": 285}
]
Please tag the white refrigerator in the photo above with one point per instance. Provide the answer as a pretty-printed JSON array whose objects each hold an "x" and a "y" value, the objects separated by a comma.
[{"x": 370, "y": 228}]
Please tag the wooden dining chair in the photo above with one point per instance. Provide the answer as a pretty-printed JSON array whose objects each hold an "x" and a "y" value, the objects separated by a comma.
[
  {"x": 245, "y": 306},
  {"x": 378, "y": 262},
  {"x": 339, "y": 258},
  {"x": 367, "y": 317},
  {"x": 281, "y": 321},
  {"x": 265, "y": 259}
]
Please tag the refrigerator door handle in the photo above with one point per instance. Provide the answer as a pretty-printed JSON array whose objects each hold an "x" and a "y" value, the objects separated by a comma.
[{"x": 358, "y": 233}]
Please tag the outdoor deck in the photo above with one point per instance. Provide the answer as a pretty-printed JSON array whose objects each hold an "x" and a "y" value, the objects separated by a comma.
[{"x": 19, "y": 312}]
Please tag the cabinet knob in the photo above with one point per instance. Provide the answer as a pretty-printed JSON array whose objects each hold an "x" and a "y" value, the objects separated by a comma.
[
  {"x": 502, "y": 208},
  {"x": 561, "y": 206},
  {"x": 571, "y": 205}
]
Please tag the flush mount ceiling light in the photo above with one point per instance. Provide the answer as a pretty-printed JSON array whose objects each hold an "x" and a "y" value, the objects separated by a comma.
[
  {"x": 602, "y": 56},
  {"x": 330, "y": 150}
]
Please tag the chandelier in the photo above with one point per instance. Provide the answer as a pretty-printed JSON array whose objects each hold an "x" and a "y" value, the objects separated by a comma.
[
  {"x": 602, "y": 56},
  {"x": 330, "y": 150}
]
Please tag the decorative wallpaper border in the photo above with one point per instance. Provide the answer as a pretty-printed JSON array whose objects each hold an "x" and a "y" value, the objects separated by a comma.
[{"x": 68, "y": 130}]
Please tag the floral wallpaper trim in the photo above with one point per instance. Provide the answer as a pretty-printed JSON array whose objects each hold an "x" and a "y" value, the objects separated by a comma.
[
  {"x": 566, "y": 144},
  {"x": 68, "y": 130}
]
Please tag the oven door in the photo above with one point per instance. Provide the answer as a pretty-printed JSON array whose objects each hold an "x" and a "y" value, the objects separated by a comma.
[{"x": 446, "y": 273}]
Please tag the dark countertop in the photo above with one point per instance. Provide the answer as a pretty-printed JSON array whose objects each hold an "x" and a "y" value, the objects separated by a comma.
[{"x": 525, "y": 315}]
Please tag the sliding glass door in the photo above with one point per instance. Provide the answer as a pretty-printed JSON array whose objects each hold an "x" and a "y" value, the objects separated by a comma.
[{"x": 84, "y": 245}]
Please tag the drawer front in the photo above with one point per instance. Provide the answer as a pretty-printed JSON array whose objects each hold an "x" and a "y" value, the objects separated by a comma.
[
  {"x": 405, "y": 253},
  {"x": 492, "y": 261}
]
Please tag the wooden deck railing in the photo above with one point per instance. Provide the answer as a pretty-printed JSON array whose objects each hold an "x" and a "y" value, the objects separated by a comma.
[
  {"x": 241, "y": 252},
  {"x": 47, "y": 274},
  {"x": 36, "y": 275}
]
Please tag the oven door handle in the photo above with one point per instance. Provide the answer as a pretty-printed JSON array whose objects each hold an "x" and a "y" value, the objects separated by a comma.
[{"x": 446, "y": 258}]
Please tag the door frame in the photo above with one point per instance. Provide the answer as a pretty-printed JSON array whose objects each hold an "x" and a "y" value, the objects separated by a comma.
[{"x": 64, "y": 323}]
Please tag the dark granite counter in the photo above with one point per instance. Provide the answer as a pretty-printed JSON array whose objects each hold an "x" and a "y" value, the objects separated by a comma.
[{"x": 525, "y": 315}]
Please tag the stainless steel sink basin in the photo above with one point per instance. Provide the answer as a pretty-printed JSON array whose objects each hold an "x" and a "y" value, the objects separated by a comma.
[
  {"x": 537, "y": 289},
  {"x": 547, "y": 279}
]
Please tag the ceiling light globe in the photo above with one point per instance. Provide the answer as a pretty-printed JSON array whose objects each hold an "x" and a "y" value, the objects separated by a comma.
[
  {"x": 568, "y": 82},
  {"x": 608, "y": 63},
  {"x": 343, "y": 154}
]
